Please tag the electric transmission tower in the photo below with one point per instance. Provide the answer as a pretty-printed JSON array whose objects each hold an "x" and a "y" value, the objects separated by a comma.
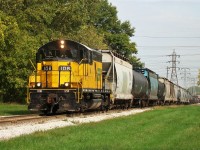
[
  {"x": 185, "y": 73},
  {"x": 173, "y": 67}
]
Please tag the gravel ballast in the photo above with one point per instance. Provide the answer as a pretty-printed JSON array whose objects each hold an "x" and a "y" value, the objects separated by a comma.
[{"x": 11, "y": 131}]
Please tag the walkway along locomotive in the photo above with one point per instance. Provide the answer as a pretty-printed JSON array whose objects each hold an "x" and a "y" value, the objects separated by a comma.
[{"x": 70, "y": 76}]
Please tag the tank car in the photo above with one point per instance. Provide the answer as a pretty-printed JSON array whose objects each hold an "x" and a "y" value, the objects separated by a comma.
[
  {"x": 140, "y": 89},
  {"x": 68, "y": 77},
  {"x": 152, "y": 79}
]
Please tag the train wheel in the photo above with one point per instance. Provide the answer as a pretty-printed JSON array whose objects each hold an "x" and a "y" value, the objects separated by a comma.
[
  {"x": 141, "y": 103},
  {"x": 44, "y": 112},
  {"x": 126, "y": 105},
  {"x": 147, "y": 103},
  {"x": 55, "y": 108},
  {"x": 82, "y": 110},
  {"x": 103, "y": 108}
]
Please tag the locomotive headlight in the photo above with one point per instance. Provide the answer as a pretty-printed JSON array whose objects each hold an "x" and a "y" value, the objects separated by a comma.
[
  {"x": 62, "y": 42},
  {"x": 38, "y": 84},
  {"x": 62, "y": 46},
  {"x": 66, "y": 84}
]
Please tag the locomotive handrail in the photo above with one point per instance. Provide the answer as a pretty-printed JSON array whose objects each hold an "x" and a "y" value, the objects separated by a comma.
[
  {"x": 32, "y": 64},
  {"x": 79, "y": 83}
]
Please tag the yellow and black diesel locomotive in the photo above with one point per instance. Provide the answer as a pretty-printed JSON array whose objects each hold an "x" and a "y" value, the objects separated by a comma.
[{"x": 68, "y": 77}]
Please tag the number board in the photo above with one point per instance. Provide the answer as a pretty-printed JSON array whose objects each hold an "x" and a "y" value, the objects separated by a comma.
[
  {"x": 47, "y": 68},
  {"x": 64, "y": 68}
]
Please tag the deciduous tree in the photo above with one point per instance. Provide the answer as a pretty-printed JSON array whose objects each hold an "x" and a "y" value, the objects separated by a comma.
[{"x": 25, "y": 25}]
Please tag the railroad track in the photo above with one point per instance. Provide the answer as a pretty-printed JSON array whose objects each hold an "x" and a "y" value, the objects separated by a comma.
[
  {"x": 14, "y": 120},
  {"x": 18, "y": 119}
]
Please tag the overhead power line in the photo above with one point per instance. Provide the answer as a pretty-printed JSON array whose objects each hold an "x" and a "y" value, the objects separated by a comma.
[
  {"x": 190, "y": 54},
  {"x": 171, "y": 46},
  {"x": 171, "y": 37},
  {"x": 155, "y": 56}
]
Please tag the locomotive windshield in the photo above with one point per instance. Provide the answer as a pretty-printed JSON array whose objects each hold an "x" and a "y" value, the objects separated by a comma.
[
  {"x": 62, "y": 50},
  {"x": 57, "y": 53}
]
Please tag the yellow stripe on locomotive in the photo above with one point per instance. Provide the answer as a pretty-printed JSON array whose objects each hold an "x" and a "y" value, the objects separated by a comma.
[{"x": 56, "y": 74}]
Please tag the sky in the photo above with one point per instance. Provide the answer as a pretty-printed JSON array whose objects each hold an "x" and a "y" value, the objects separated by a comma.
[{"x": 164, "y": 26}]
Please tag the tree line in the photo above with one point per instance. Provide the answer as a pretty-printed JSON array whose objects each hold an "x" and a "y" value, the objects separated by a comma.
[{"x": 25, "y": 25}]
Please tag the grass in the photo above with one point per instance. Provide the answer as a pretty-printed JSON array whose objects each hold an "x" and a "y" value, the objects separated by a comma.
[
  {"x": 166, "y": 128},
  {"x": 13, "y": 109}
]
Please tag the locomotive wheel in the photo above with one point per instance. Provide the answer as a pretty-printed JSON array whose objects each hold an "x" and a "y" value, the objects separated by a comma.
[
  {"x": 55, "y": 108},
  {"x": 47, "y": 110},
  {"x": 44, "y": 112},
  {"x": 82, "y": 110}
]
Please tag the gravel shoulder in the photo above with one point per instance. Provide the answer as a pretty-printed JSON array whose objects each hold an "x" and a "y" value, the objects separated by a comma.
[{"x": 11, "y": 131}]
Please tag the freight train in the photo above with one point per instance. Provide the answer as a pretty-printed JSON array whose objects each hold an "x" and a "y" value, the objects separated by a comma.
[{"x": 70, "y": 76}]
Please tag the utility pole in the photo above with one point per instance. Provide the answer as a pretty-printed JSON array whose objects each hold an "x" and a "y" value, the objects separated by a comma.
[
  {"x": 173, "y": 68},
  {"x": 185, "y": 73}
]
